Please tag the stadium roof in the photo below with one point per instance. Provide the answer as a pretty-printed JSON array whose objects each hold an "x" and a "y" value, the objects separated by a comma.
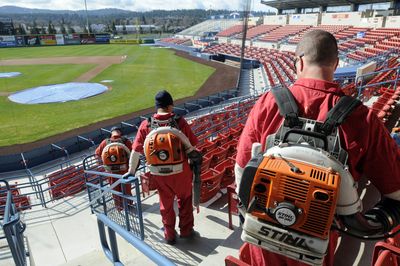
[{"x": 291, "y": 4}]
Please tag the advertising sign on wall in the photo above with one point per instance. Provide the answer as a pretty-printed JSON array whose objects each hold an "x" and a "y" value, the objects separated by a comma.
[
  {"x": 32, "y": 40},
  {"x": 102, "y": 38},
  {"x": 7, "y": 41},
  {"x": 60, "y": 39},
  {"x": 20, "y": 40},
  {"x": 72, "y": 39},
  {"x": 88, "y": 38},
  {"x": 48, "y": 40}
]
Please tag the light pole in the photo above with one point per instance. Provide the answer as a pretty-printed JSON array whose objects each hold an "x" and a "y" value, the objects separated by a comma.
[{"x": 87, "y": 19}]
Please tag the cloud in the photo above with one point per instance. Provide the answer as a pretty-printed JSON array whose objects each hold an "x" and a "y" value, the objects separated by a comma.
[{"x": 136, "y": 5}]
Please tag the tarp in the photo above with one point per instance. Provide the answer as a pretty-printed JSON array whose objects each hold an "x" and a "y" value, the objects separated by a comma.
[
  {"x": 72, "y": 91},
  {"x": 9, "y": 74},
  {"x": 344, "y": 72}
]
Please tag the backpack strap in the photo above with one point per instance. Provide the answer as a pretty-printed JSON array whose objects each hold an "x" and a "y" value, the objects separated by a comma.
[
  {"x": 287, "y": 106},
  {"x": 338, "y": 114},
  {"x": 174, "y": 122}
]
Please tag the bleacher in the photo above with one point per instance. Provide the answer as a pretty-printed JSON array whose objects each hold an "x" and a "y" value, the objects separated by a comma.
[
  {"x": 232, "y": 31},
  {"x": 283, "y": 32},
  {"x": 329, "y": 28},
  {"x": 258, "y": 30},
  {"x": 211, "y": 25},
  {"x": 278, "y": 65},
  {"x": 375, "y": 42},
  {"x": 179, "y": 41}
]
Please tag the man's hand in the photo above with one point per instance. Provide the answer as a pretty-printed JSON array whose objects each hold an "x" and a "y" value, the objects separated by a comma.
[{"x": 127, "y": 174}]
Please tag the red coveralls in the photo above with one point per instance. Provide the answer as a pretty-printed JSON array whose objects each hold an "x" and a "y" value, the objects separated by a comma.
[
  {"x": 179, "y": 185},
  {"x": 371, "y": 150},
  {"x": 111, "y": 180}
]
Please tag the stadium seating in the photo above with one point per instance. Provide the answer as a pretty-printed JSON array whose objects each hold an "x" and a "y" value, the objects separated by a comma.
[
  {"x": 387, "y": 253},
  {"x": 283, "y": 32},
  {"x": 176, "y": 40},
  {"x": 232, "y": 31},
  {"x": 21, "y": 201},
  {"x": 330, "y": 28},
  {"x": 66, "y": 182},
  {"x": 211, "y": 25},
  {"x": 232, "y": 203},
  {"x": 258, "y": 30},
  {"x": 210, "y": 184}
]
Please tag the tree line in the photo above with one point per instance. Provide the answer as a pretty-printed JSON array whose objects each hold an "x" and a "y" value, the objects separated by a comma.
[{"x": 169, "y": 21}]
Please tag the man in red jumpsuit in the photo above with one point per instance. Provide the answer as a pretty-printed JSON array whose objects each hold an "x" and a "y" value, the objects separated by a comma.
[
  {"x": 174, "y": 185},
  {"x": 372, "y": 153},
  {"x": 116, "y": 136}
]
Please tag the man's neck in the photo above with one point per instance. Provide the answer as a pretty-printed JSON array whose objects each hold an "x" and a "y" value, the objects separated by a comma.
[{"x": 314, "y": 72}]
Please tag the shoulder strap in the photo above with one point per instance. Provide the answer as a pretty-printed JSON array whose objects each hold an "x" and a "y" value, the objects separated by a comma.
[
  {"x": 173, "y": 122},
  {"x": 339, "y": 113},
  {"x": 287, "y": 106}
]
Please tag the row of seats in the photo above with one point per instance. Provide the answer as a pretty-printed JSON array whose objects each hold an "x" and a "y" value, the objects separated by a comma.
[
  {"x": 66, "y": 182},
  {"x": 330, "y": 28},
  {"x": 21, "y": 201},
  {"x": 383, "y": 107},
  {"x": 278, "y": 65},
  {"x": 175, "y": 40},
  {"x": 283, "y": 32},
  {"x": 349, "y": 33},
  {"x": 381, "y": 40},
  {"x": 232, "y": 31},
  {"x": 258, "y": 30}
]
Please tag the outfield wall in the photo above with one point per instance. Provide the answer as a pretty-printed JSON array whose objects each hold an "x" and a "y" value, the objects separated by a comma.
[{"x": 63, "y": 39}]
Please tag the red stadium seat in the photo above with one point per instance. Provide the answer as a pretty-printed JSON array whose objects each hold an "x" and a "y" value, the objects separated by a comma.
[
  {"x": 210, "y": 184},
  {"x": 227, "y": 168},
  {"x": 217, "y": 155},
  {"x": 232, "y": 204},
  {"x": 385, "y": 254}
]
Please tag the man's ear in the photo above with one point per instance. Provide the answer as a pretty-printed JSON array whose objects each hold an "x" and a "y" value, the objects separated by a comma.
[
  {"x": 301, "y": 64},
  {"x": 337, "y": 63}
]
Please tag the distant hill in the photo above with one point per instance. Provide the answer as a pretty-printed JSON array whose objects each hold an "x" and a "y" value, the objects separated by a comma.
[{"x": 167, "y": 19}]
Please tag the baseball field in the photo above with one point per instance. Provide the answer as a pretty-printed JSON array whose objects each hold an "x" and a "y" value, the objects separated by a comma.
[{"x": 136, "y": 74}]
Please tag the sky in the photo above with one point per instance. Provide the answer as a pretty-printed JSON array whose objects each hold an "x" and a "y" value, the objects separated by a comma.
[{"x": 135, "y": 5}]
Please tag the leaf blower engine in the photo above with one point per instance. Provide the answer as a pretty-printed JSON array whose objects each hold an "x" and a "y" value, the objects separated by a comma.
[
  {"x": 295, "y": 193},
  {"x": 290, "y": 205}
]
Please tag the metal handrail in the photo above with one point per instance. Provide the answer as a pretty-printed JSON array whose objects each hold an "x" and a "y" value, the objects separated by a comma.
[
  {"x": 111, "y": 251},
  {"x": 14, "y": 229}
]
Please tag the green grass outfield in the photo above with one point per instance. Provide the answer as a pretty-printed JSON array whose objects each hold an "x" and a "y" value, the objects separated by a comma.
[{"x": 136, "y": 80}]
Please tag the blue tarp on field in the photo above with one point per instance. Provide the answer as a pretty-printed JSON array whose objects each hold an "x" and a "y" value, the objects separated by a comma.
[
  {"x": 72, "y": 91},
  {"x": 9, "y": 74}
]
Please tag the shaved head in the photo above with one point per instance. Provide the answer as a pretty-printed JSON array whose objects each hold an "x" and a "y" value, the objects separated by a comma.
[{"x": 319, "y": 48}]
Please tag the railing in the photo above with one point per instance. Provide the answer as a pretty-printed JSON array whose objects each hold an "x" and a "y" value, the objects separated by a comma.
[
  {"x": 14, "y": 229},
  {"x": 120, "y": 212},
  {"x": 361, "y": 87},
  {"x": 111, "y": 249}
]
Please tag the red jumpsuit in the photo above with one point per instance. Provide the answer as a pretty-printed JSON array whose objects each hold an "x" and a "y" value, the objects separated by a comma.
[
  {"x": 371, "y": 150},
  {"x": 128, "y": 188},
  {"x": 179, "y": 185}
]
